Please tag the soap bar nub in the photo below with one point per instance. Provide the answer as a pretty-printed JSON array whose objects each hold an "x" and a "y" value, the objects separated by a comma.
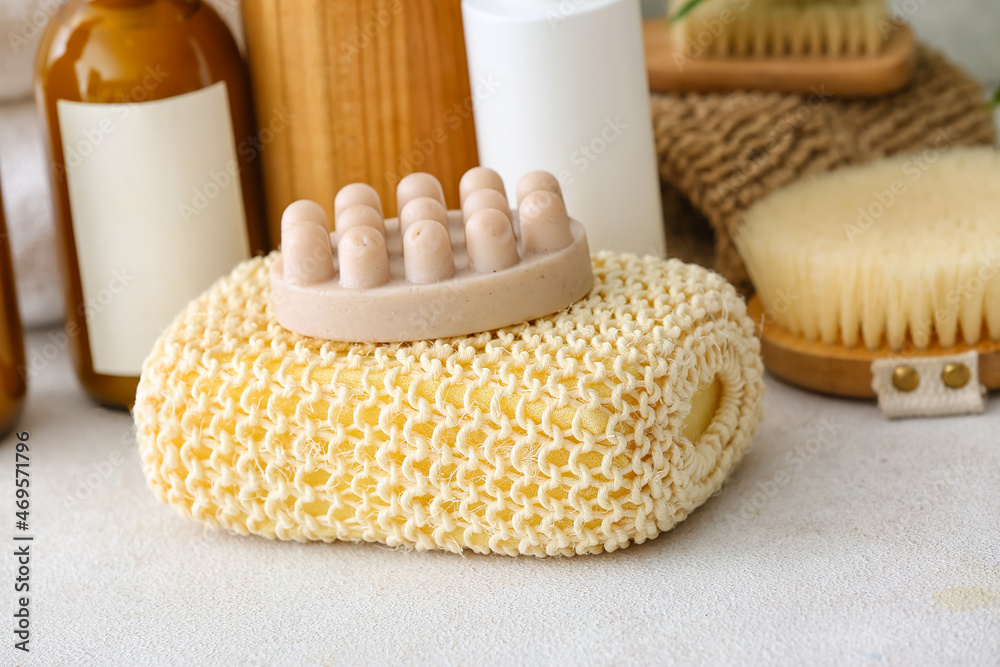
[
  {"x": 542, "y": 229},
  {"x": 537, "y": 180},
  {"x": 480, "y": 178},
  {"x": 430, "y": 273}
]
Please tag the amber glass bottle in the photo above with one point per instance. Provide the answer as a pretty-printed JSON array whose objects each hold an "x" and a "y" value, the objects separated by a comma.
[
  {"x": 12, "y": 361},
  {"x": 153, "y": 169}
]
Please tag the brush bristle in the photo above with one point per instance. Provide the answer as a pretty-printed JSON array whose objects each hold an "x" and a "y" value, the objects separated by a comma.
[
  {"x": 784, "y": 28},
  {"x": 903, "y": 251}
]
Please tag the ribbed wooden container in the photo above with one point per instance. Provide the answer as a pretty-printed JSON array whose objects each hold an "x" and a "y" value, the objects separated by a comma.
[{"x": 358, "y": 90}]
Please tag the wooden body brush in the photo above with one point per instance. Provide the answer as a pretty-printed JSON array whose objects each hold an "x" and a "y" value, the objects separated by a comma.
[
  {"x": 848, "y": 48},
  {"x": 894, "y": 260}
]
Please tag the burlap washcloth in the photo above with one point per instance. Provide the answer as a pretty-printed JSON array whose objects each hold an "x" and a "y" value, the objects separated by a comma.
[{"x": 721, "y": 153}]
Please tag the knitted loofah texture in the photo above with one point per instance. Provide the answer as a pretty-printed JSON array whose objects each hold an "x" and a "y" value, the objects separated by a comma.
[{"x": 568, "y": 435}]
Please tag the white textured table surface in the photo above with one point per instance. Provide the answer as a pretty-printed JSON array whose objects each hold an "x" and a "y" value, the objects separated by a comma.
[{"x": 841, "y": 540}]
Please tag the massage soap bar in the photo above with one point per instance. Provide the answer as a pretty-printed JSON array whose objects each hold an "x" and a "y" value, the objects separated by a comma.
[{"x": 429, "y": 273}]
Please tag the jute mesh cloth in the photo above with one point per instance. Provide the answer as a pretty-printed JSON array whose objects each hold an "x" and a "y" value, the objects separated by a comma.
[
  {"x": 557, "y": 437},
  {"x": 724, "y": 152}
]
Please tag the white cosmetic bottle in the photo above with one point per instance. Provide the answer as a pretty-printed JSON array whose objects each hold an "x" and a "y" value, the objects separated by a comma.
[{"x": 561, "y": 85}]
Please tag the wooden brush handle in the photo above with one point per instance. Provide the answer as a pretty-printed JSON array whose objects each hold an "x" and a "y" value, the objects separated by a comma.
[
  {"x": 840, "y": 371},
  {"x": 358, "y": 90}
]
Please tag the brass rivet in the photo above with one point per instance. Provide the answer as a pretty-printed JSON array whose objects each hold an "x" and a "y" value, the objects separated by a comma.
[
  {"x": 905, "y": 379},
  {"x": 956, "y": 376}
]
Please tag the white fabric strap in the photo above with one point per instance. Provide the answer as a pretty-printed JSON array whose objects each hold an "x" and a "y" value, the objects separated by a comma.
[{"x": 932, "y": 397}]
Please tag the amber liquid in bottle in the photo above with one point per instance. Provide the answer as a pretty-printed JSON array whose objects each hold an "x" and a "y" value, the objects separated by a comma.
[
  {"x": 113, "y": 76},
  {"x": 12, "y": 360}
]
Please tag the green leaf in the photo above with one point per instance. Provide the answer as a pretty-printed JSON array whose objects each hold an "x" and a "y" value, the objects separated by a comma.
[
  {"x": 995, "y": 101},
  {"x": 686, "y": 9}
]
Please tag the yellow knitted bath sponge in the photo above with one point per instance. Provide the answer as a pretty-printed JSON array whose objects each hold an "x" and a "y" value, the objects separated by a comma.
[{"x": 568, "y": 435}]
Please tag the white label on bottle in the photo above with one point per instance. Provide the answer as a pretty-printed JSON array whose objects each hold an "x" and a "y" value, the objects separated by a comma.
[{"x": 158, "y": 214}]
